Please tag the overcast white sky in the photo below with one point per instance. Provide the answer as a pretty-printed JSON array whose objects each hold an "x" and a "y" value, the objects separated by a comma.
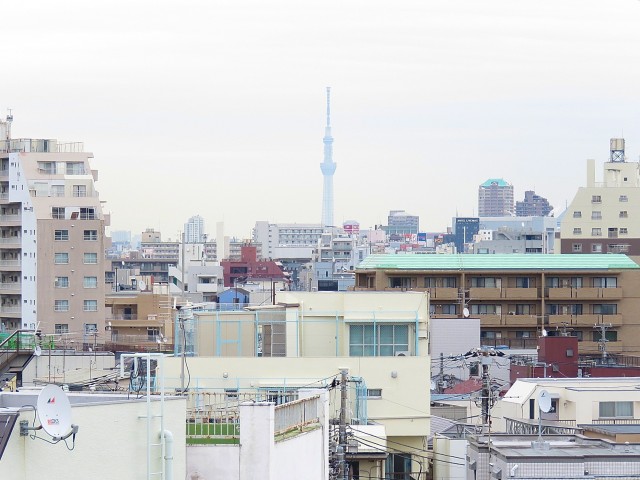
[{"x": 217, "y": 108}]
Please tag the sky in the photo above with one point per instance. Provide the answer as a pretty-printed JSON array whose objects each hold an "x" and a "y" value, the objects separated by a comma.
[{"x": 217, "y": 108}]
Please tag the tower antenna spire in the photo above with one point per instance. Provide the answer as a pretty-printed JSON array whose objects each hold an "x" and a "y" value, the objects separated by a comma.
[
  {"x": 328, "y": 167},
  {"x": 328, "y": 106}
]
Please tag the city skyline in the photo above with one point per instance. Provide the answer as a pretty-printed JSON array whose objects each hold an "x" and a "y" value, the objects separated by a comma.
[{"x": 219, "y": 110}]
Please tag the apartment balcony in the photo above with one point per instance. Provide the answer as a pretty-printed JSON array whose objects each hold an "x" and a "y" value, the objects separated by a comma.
[
  {"x": 489, "y": 320},
  {"x": 523, "y": 343},
  {"x": 443, "y": 293},
  {"x": 530, "y": 321},
  {"x": 11, "y": 311},
  {"x": 476, "y": 293},
  {"x": 4, "y": 197},
  {"x": 10, "y": 242},
  {"x": 10, "y": 265},
  {"x": 4, "y": 173},
  {"x": 588, "y": 320},
  {"x": 521, "y": 293},
  {"x": 207, "y": 288},
  {"x": 12, "y": 287},
  {"x": 584, "y": 293},
  {"x": 594, "y": 347},
  {"x": 11, "y": 220}
]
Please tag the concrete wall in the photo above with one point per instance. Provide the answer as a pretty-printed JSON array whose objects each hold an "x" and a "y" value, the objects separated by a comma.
[
  {"x": 111, "y": 441},
  {"x": 52, "y": 366}
]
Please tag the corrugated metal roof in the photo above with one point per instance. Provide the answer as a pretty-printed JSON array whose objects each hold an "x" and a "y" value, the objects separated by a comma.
[{"x": 513, "y": 261}]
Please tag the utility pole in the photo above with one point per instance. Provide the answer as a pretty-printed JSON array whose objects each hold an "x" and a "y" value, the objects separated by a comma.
[
  {"x": 441, "y": 380},
  {"x": 342, "y": 433},
  {"x": 603, "y": 338},
  {"x": 486, "y": 388}
]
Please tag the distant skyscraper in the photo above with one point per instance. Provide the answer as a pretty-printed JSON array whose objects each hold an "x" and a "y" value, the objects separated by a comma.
[
  {"x": 328, "y": 168},
  {"x": 533, "y": 205},
  {"x": 495, "y": 198},
  {"x": 194, "y": 230},
  {"x": 401, "y": 223}
]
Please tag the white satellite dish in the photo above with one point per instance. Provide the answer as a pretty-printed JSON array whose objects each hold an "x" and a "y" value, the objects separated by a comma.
[
  {"x": 54, "y": 411},
  {"x": 142, "y": 286},
  {"x": 37, "y": 351},
  {"x": 465, "y": 312},
  {"x": 544, "y": 401},
  {"x": 544, "y": 332}
]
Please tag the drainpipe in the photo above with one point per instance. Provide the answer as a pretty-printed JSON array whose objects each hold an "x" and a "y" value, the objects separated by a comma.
[{"x": 168, "y": 455}]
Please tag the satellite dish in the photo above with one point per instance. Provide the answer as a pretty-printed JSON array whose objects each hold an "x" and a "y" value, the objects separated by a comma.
[
  {"x": 544, "y": 401},
  {"x": 54, "y": 411},
  {"x": 37, "y": 351},
  {"x": 465, "y": 312},
  {"x": 544, "y": 332},
  {"x": 142, "y": 286}
]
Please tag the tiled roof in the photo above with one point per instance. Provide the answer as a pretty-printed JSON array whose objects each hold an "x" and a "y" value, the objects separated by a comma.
[{"x": 512, "y": 261}]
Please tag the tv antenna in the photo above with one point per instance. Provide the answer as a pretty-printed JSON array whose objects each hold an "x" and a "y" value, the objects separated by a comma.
[{"x": 54, "y": 413}]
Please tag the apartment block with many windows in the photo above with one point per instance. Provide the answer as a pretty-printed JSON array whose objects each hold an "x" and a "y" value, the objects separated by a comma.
[
  {"x": 516, "y": 296},
  {"x": 52, "y": 239}
]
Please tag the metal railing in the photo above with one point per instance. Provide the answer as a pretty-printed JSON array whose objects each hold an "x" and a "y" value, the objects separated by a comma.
[{"x": 296, "y": 415}]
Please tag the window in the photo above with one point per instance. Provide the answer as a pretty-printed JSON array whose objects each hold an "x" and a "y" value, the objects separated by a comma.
[
  {"x": 90, "y": 258},
  {"x": 48, "y": 168},
  {"x": 596, "y": 232},
  {"x": 595, "y": 215},
  {"x": 90, "y": 235},
  {"x": 623, "y": 230},
  {"x": 90, "y": 306},
  {"x": 623, "y": 198},
  {"x": 490, "y": 334},
  {"x": 618, "y": 247},
  {"x": 75, "y": 168},
  {"x": 153, "y": 333},
  {"x": 374, "y": 393},
  {"x": 397, "y": 466},
  {"x": 577, "y": 214},
  {"x": 571, "y": 309},
  {"x": 90, "y": 282},
  {"x": 61, "y": 258},
  {"x": 624, "y": 214},
  {"x": 615, "y": 409},
  {"x": 610, "y": 336},
  {"x": 400, "y": 282},
  {"x": 524, "y": 309},
  {"x": 485, "y": 309},
  {"x": 57, "y": 213},
  {"x": 577, "y": 231},
  {"x": 605, "y": 282},
  {"x": 576, "y": 247},
  {"x": 596, "y": 248},
  {"x": 61, "y": 235},
  {"x": 57, "y": 190},
  {"x": 524, "y": 334},
  {"x": 90, "y": 328},
  {"x": 88, "y": 213},
  {"x": 61, "y": 328},
  {"x": 484, "y": 282},
  {"x": 449, "y": 282},
  {"x": 429, "y": 282},
  {"x": 79, "y": 190},
  {"x": 523, "y": 282},
  {"x": 61, "y": 306},
  {"x": 61, "y": 282},
  {"x": 378, "y": 340},
  {"x": 449, "y": 309},
  {"x": 605, "y": 309},
  {"x": 596, "y": 199}
]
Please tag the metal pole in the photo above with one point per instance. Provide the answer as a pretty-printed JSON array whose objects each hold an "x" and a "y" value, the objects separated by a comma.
[
  {"x": 486, "y": 390},
  {"x": 342, "y": 435}
]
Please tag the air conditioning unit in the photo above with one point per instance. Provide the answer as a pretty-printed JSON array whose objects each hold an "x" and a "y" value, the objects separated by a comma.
[{"x": 403, "y": 354}]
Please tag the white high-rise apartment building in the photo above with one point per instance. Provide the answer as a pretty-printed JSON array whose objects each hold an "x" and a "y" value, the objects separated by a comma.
[
  {"x": 52, "y": 238},
  {"x": 194, "y": 230}
]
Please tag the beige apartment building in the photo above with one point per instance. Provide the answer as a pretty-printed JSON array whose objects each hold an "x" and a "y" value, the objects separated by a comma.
[
  {"x": 52, "y": 239},
  {"x": 516, "y": 296},
  {"x": 304, "y": 341},
  {"x": 603, "y": 216}
]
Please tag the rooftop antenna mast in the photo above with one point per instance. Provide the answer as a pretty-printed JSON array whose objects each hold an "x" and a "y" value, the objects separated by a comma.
[
  {"x": 9, "y": 120},
  {"x": 602, "y": 341}
]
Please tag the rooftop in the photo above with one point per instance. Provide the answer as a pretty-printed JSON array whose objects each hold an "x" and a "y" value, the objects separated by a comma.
[
  {"x": 511, "y": 261},
  {"x": 498, "y": 181}
]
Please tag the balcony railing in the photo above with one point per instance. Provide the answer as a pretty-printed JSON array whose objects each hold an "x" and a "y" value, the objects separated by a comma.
[
  {"x": 296, "y": 415},
  {"x": 13, "y": 286}
]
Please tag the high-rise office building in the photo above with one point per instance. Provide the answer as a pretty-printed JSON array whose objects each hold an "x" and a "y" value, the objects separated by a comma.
[
  {"x": 52, "y": 238},
  {"x": 495, "y": 198},
  {"x": 402, "y": 223},
  {"x": 194, "y": 230},
  {"x": 533, "y": 206}
]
